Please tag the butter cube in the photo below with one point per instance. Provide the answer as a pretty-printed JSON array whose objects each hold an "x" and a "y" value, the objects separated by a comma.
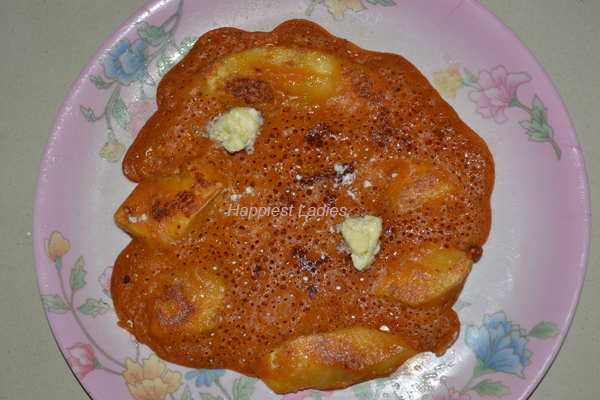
[
  {"x": 236, "y": 129},
  {"x": 362, "y": 236}
]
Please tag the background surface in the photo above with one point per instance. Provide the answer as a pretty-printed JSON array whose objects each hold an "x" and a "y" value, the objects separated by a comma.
[{"x": 45, "y": 45}]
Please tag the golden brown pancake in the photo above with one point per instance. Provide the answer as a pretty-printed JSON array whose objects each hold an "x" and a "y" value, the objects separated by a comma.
[{"x": 277, "y": 296}]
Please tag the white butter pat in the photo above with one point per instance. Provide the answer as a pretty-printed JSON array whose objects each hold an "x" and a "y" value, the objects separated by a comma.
[
  {"x": 362, "y": 236},
  {"x": 236, "y": 129}
]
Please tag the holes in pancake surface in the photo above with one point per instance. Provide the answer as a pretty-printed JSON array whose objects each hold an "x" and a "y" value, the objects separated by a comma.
[{"x": 277, "y": 303}]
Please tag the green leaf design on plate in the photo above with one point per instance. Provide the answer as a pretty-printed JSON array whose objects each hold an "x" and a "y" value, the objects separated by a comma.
[
  {"x": 94, "y": 307},
  {"x": 164, "y": 65},
  {"x": 538, "y": 132},
  {"x": 362, "y": 391},
  {"x": 537, "y": 128},
  {"x": 312, "y": 6},
  {"x": 88, "y": 114},
  {"x": 119, "y": 111},
  {"x": 148, "y": 80},
  {"x": 384, "y": 2},
  {"x": 243, "y": 388},
  {"x": 152, "y": 34},
  {"x": 480, "y": 370},
  {"x": 99, "y": 82},
  {"x": 186, "y": 45},
  {"x": 316, "y": 396},
  {"x": 186, "y": 395},
  {"x": 77, "y": 274},
  {"x": 539, "y": 112},
  {"x": 471, "y": 78},
  {"x": 544, "y": 330},
  {"x": 459, "y": 305},
  {"x": 380, "y": 384},
  {"x": 489, "y": 388},
  {"x": 208, "y": 396},
  {"x": 54, "y": 303}
]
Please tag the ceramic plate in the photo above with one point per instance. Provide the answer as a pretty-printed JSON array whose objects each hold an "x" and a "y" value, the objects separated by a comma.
[{"x": 520, "y": 298}]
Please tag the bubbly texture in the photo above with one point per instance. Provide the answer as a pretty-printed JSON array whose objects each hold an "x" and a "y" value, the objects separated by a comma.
[{"x": 210, "y": 282}]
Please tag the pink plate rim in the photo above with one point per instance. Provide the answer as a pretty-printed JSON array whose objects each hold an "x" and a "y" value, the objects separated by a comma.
[{"x": 43, "y": 188}]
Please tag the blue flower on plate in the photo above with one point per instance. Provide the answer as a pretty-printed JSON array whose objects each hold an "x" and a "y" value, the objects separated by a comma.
[
  {"x": 204, "y": 376},
  {"x": 126, "y": 62},
  {"x": 499, "y": 346}
]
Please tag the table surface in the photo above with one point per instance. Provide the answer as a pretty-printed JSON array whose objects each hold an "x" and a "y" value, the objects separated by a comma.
[{"x": 47, "y": 44}]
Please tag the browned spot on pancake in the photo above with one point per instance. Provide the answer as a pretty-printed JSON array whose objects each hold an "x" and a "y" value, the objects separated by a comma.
[
  {"x": 329, "y": 173},
  {"x": 474, "y": 252},
  {"x": 426, "y": 183},
  {"x": 329, "y": 200},
  {"x": 363, "y": 85},
  {"x": 184, "y": 203},
  {"x": 393, "y": 290},
  {"x": 306, "y": 264},
  {"x": 253, "y": 91},
  {"x": 316, "y": 136},
  {"x": 173, "y": 308},
  {"x": 201, "y": 180},
  {"x": 288, "y": 199},
  {"x": 331, "y": 351},
  {"x": 383, "y": 136}
]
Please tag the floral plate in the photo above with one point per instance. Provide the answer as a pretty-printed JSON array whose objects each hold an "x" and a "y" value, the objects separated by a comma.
[{"x": 520, "y": 298}]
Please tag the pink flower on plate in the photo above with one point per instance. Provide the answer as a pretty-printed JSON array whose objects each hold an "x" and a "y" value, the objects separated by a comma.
[
  {"x": 303, "y": 394},
  {"x": 443, "y": 392},
  {"x": 82, "y": 359},
  {"x": 140, "y": 111},
  {"x": 498, "y": 90},
  {"x": 104, "y": 279}
]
